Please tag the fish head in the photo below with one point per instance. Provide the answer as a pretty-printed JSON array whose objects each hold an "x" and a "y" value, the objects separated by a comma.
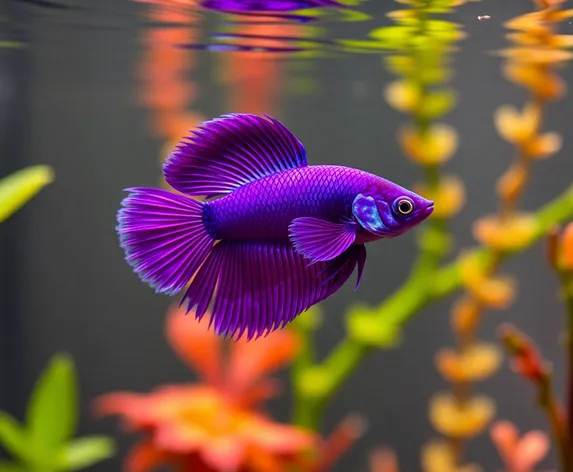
[{"x": 390, "y": 210}]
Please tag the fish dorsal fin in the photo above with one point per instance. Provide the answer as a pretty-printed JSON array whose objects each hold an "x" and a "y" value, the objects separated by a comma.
[
  {"x": 225, "y": 153},
  {"x": 320, "y": 240}
]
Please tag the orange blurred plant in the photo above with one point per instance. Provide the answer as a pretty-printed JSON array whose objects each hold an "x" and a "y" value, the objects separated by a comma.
[
  {"x": 519, "y": 454},
  {"x": 215, "y": 423},
  {"x": 531, "y": 63},
  {"x": 218, "y": 423}
]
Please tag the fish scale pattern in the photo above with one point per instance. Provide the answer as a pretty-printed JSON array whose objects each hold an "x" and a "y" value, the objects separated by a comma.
[{"x": 264, "y": 209}]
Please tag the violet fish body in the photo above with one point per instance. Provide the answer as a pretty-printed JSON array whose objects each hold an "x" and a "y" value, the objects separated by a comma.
[
  {"x": 266, "y": 208},
  {"x": 279, "y": 235}
]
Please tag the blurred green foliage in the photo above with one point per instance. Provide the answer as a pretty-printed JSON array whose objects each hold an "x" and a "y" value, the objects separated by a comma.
[
  {"x": 45, "y": 442},
  {"x": 20, "y": 187}
]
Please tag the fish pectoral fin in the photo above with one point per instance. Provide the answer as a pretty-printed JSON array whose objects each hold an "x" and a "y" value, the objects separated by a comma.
[
  {"x": 321, "y": 240},
  {"x": 365, "y": 211}
]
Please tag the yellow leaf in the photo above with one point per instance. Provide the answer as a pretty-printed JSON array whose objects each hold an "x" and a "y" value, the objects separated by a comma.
[
  {"x": 546, "y": 84},
  {"x": 437, "y": 456},
  {"x": 436, "y": 146},
  {"x": 566, "y": 259},
  {"x": 465, "y": 315},
  {"x": 493, "y": 292},
  {"x": 402, "y": 95},
  {"x": 530, "y": 22},
  {"x": 536, "y": 55},
  {"x": 448, "y": 197},
  {"x": 476, "y": 363},
  {"x": 17, "y": 189},
  {"x": 510, "y": 234},
  {"x": 514, "y": 126},
  {"x": 436, "y": 104},
  {"x": 543, "y": 146},
  {"x": 512, "y": 182},
  {"x": 460, "y": 419}
]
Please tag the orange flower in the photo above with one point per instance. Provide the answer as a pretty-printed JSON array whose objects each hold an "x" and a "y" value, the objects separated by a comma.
[
  {"x": 213, "y": 423},
  {"x": 519, "y": 454}
]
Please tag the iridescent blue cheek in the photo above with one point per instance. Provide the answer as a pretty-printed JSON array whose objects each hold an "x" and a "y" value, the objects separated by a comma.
[{"x": 365, "y": 211}]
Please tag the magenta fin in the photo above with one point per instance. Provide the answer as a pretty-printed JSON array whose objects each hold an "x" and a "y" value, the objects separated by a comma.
[
  {"x": 259, "y": 287},
  {"x": 163, "y": 236},
  {"x": 321, "y": 240},
  {"x": 228, "y": 152}
]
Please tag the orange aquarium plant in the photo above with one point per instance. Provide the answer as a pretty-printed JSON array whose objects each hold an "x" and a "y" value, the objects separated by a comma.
[{"x": 218, "y": 424}]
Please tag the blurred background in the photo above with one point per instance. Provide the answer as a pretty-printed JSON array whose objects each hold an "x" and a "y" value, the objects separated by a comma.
[{"x": 100, "y": 91}]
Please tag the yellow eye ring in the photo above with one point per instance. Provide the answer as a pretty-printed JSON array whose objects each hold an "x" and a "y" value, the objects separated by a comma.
[{"x": 405, "y": 206}]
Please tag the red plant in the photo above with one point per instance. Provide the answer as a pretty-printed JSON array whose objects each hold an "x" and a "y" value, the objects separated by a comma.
[{"x": 216, "y": 424}]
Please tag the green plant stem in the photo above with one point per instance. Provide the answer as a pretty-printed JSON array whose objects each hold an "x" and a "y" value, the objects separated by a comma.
[{"x": 420, "y": 289}]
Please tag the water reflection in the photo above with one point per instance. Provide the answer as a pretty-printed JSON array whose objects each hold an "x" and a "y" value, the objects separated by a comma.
[{"x": 165, "y": 73}]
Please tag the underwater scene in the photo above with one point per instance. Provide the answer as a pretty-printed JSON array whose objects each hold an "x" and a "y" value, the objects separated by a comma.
[{"x": 286, "y": 235}]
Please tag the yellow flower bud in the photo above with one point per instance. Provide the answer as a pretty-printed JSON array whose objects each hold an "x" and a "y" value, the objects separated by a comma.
[
  {"x": 511, "y": 183},
  {"x": 510, "y": 234},
  {"x": 402, "y": 95},
  {"x": 465, "y": 315},
  {"x": 473, "y": 364},
  {"x": 448, "y": 198},
  {"x": 493, "y": 292},
  {"x": 460, "y": 420},
  {"x": 436, "y": 146},
  {"x": 514, "y": 126},
  {"x": 437, "y": 456},
  {"x": 543, "y": 146}
]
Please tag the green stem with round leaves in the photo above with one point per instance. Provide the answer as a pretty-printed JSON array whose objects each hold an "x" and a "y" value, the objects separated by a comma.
[{"x": 379, "y": 327}]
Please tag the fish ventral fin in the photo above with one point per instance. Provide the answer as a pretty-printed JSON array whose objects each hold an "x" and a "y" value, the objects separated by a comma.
[
  {"x": 258, "y": 287},
  {"x": 225, "y": 153},
  {"x": 321, "y": 240}
]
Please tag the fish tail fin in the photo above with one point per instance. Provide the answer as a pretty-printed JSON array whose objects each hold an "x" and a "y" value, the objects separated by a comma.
[{"x": 164, "y": 237}]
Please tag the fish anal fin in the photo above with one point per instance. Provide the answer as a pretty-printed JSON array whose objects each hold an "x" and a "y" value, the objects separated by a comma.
[{"x": 255, "y": 288}]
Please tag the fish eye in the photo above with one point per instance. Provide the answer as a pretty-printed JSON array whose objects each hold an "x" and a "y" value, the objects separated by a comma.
[{"x": 405, "y": 206}]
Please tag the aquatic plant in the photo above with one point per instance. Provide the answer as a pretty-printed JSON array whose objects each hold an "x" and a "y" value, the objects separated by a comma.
[
  {"x": 20, "y": 187},
  {"x": 219, "y": 423},
  {"x": 421, "y": 47},
  {"x": 45, "y": 442}
]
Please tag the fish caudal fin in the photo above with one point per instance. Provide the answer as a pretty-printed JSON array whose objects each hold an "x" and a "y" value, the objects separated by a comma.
[
  {"x": 226, "y": 153},
  {"x": 164, "y": 237},
  {"x": 258, "y": 287}
]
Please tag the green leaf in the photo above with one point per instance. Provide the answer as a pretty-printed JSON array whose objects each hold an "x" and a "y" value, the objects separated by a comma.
[
  {"x": 10, "y": 44},
  {"x": 6, "y": 466},
  {"x": 437, "y": 104},
  {"x": 394, "y": 37},
  {"x": 13, "y": 436},
  {"x": 52, "y": 412},
  {"x": 18, "y": 188},
  {"x": 85, "y": 452}
]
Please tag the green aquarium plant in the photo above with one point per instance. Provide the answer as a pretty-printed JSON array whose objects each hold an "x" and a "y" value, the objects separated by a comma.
[
  {"x": 419, "y": 48},
  {"x": 21, "y": 186},
  {"x": 45, "y": 442}
]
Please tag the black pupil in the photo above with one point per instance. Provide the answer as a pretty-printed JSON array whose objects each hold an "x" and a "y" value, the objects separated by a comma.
[{"x": 405, "y": 207}]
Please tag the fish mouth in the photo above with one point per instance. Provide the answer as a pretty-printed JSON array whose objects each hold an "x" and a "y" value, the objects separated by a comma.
[{"x": 429, "y": 209}]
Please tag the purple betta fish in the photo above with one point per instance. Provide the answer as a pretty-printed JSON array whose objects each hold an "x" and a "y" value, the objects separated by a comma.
[{"x": 280, "y": 237}]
